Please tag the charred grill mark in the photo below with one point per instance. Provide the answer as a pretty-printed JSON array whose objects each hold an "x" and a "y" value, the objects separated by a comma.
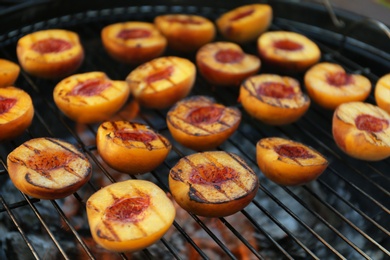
[
  {"x": 184, "y": 130},
  {"x": 30, "y": 179},
  {"x": 176, "y": 175},
  {"x": 54, "y": 141},
  {"x": 92, "y": 206},
  {"x": 164, "y": 141},
  {"x": 195, "y": 195},
  {"x": 110, "y": 229}
]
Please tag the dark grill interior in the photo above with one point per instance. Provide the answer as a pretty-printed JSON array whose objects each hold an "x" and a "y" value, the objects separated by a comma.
[{"x": 344, "y": 214}]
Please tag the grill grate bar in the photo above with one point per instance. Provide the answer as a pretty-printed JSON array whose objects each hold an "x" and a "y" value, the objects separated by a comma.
[{"x": 20, "y": 230}]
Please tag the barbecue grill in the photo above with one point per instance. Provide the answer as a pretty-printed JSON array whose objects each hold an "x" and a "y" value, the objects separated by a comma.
[{"x": 345, "y": 214}]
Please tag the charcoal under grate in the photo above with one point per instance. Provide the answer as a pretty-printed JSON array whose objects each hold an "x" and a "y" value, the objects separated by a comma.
[{"x": 342, "y": 215}]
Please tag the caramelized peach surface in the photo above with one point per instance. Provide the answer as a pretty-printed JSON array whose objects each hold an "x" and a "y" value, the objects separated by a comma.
[
  {"x": 245, "y": 23},
  {"x": 213, "y": 184},
  {"x": 287, "y": 51},
  {"x": 225, "y": 63},
  {"x": 90, "y": 97},
  {"x": 273, "y": 99},
  {"x": 48, "y": 168},
  {"x": 185, "y": 32},
  {"x": 9, "y": 72},
  {"x": 16, "y": 112},
  {"x": 131, "y": 148},
  {"x": 329, "y": 85},
  {"x": 199, "y": 123},
  {"x": 52, "y": 53},
  {"x": 133, "y": 42},
  {"x": 287, "y": 162},
  {"x": 130, "y": 215},
  {"x": 162, "y": 82},
  {"x": 362, "y": 130},
  {"x": 382, "y": 92}
]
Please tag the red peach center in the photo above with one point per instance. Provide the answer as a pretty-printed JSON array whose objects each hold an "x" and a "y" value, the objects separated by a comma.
[
  {"x": 293, "y": 152},
  {"x": 184, "y": 20},
  {"x": 370, "y": 123},
  {"x": 90, "y": 87},
  {"x": 242, "y": 15},
  {"x": 128, "y": 209},
  {"x": 204, "y": 115},
  {"x": 139, "y": 136},
  {"x": 275, "y": 90},
  {"x": 133, "y": 33},
  {"x": 229, "y": 56},
  {"x": 51, "y": 46},
  {"x": 159, "y": 75},
  {"x": 46, "y": 160},
  {"x": 287, "y": 45},
  {"x": 6, "y": 104},
  {"x": 338, "y": 79},
  {"x": 212, "y": 175}
]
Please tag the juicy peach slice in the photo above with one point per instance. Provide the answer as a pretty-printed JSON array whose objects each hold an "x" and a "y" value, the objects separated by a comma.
[
  {"x": 132, "y": 148},
  {"x": 9, "y": 72},
  {"x": 213, "y": 184},
  {"x": 48, "y": 168},
  {"x": 362, "y": 130},
  {"x": 50, "y": 53},
  {"x": 382, "y": 93},
  {"x": 16, "y": 112},
  {"x": 162, "y": 82},
  {"x": 133, "y": 42},
  {"x": 184, "y": 32},
  {"x": 130, "y": 215},
  {"x": 201, "y": 124},
  {"x": 225, "y": 63},
  {"x": 287, "y": 51},
  {"x": 90, "y": 97},
  {"x": 245, "y": 23},
  {"x": 329, "y": 85},
  {"x": 289, "y": 163},
  {"x": 273, "y": 99}
]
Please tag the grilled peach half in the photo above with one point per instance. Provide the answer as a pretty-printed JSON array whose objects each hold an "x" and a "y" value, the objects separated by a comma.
[
  {"x": 133, "y": 42},
  {"x": 162, "y": 82},
  {"x": 90, "y": 97},
  {"x": 362, "y": 131},
  {"x": 52, "y": 53},
  {"x": 329, "y": 85},
  {"x": 185, "y": 32},
  {"x": 199, "y": 123},
  {"x": 213, "y": 184},
  {"x": 382, "y": 93},
  {"x": 287, "y": 162},
  {"x": 245, "y": 23},
  {"x": 48, "y": 168},
  {"x": 273, "y": 99},
  {"x": 287, "y": 52},
  {"x": 131, "y": 148},
  {"x": 130, "y": 215},
  {"x": 9, "y": 72},
  {"x": 225, "y": 63},
  {"x": 16, "y": 112}
]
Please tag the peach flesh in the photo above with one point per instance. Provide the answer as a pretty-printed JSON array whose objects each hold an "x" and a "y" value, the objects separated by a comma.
[
  {"x": 128, "y": 209},
  {"x": 184, "y": 20},
  {"x": 47, "y": 160},
  {"x": 276, "y": 90},
  {"x": 212, "y": 175},
  {"x": 370, "y": 123},
  {"x": 229, "y": 56},
  {"x": 287, "y": 45},
  {"x": 51, "y": 46},
  {"x": 292, "y": 151},
  {"x": 242, "y": 15},
  {"x": 133, "y": 34},
  {"x": 159, "y": 75},
  {"x": 339, "y": 79},
  {"x": 6, "y": 104},
  {"x": 206, "y": 115},
  {"x": 91, "y": 87}
]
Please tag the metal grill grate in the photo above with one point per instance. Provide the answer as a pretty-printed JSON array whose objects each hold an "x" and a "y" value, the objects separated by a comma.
[{"x": 344, "y": 214}]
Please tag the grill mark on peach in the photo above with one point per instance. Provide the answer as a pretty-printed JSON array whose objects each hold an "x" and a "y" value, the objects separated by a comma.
[
  {"x": 110, "y": 229},
  {"x": 229, "y": 56},
  {"x": 133, "y": 135},
  {"x": 287, "y": 45},
  {"x": 134, "y": 33},
  {"x": 92, "y": 206},
  {"x": 184, "y": 20},
  {"x": 275, "y": 89},
  {"x": 188, "y": 131},
  {"x": 90, "y": 87},
  {"x": 339, "y": 79},
  {"x": 242, "y": 14},
  {"x": 293, "y": 152}
]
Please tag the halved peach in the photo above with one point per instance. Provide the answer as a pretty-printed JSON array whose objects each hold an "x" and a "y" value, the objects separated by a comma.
[
  {"x": 185, "y": 32},
  {"x": 362, "y": 130},
  {"x": 16, "y": 112},
  {"x": 133, "y": 42},
  {"x": 130, "y": 215},
  {"x": 9, "y": 72},
  {"x": 90, "y": 97},
  {"x": 199, "y": 123},
  {"x": 329, "y": 85},
  {"x": 213, "y": 184},
  {"x": 52, "y": 53},
  {"x": 287, "y": 51},
  {"x": 287, "y": 162},
  {"x": 245, "y": 23},
  {"x": 273, "y": 99},
  {"x": 225, "y": 63},
  {"x": 382, "y": 92},
  {"x": 162, "y": 82},
  {"x": 132, "y": 148},
  {"x": 48, "y": 168}
]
